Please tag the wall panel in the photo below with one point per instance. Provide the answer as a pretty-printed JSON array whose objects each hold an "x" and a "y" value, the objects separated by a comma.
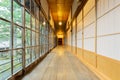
[
  {"x": 89, "y": 5},
  {"x": 79, "y": 35},
  {"x": 79, "y": 43},
  {"x": 89, "y": 31},
  {"x": 109, "y": 24},
  {"x": 89, "y": 44},
  {"x": 109, "y": 46},
  {"x": 98, "y": 36},
  {"x": 89, "y": 18}
]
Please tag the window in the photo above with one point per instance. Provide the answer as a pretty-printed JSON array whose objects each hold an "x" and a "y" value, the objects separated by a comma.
[
  {"x": 17, "y": 37},
  {"x": 33, "y": 23},
  {"x": 28, "y": 37},
  {"x": 28, "y": 56},
  {"x": 13, "y": 35},
  {"x": 17, "y": 60},
  {"x": 17, "y": 13},
  {"x": 5, "y": 53},
  {"x": 27, "y": 19},
  {"x": 5, "y": 9}
]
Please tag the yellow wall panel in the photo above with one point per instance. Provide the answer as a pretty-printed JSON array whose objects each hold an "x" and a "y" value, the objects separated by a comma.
[
  {"x": 79, "y": 52},
  {"x": 109, "y": 67},
  {"x": 90, "y": 57}
]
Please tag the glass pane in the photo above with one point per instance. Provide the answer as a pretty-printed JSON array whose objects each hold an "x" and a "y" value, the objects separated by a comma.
[
  {"x": 17, "y": 60},
  {"x": 5, "y": 9},
  {"x": 28, "y": 37},
  {"x": 43, "y": 29},
  {"x": 17, "y": 13},
  {"x": 37, "y": 25},
  {"x": 4, "y": 35},
  {"x": 20, "y": 1},
  {"x": 5, "y": 65},
  {"x": 27, "y": 4},
  {"x": 27, "y": 17},
  {"x": 33, "y": 38},
  {"x": 37, "y": 51},
  {"x": 33, "y": 23},
  {"x": 17, "y": 37},
  {"x": 37, "y": 39},
  {"x": 28, "y": 57},
  {"x": 33, "y": 54}
]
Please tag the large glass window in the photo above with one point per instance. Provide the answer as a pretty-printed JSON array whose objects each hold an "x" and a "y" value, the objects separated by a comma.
[
  {"x": 17, "y": 13},
  {"x": 33, "y": 54},
  {"x": 28, "y": 37},
  {"x": 5, "y": 9},
  {"x": 27, "y": 19},
  {"x": 28, "y": 56},
  {"x": 17, "y": 60},
  {"x": 5, "y": 35},
  {"x": 5, "y": 65},
  {"x": 13, "y": 35},
  {"x": 33, "y": 23},
  {"x": 33, "y": 38},
  {"x": 17, "y": 37},
  {"x": 5, "y": 58}
]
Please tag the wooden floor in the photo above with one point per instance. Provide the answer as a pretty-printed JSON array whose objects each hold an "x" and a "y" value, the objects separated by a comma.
[{"x": 60, "y": 64}]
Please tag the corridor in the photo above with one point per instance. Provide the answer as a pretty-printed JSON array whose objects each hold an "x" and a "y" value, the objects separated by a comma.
[
  {"x": 60, "y": 39},
  {"x": 61, "y": 64}
]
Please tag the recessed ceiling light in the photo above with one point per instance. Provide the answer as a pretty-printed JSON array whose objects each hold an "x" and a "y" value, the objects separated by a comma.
[
  {"x": 44, "y": 23},
  {"x": 60, "y": 23}
]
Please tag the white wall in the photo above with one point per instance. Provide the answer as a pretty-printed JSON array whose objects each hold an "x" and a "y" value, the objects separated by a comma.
[
  {"x": 108, "y": 28},
  {"x": 105, "y": 28}
]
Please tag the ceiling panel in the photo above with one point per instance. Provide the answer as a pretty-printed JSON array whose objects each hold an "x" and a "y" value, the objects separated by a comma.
[
  {"x": 60, "y": 11},
  {"x": 60, "y": 7}
]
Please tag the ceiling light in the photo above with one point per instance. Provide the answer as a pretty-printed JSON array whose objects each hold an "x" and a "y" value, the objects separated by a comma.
[
  {"x": 44, "y": 23},
  {"x": 60, "y": 23}
]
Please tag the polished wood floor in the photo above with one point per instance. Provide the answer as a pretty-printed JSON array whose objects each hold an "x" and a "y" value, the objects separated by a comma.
[{"x": 60, "y": 64}]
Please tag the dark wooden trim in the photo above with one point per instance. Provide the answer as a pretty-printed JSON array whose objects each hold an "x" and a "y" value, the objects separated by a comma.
[{"x": 79, "y": 8}]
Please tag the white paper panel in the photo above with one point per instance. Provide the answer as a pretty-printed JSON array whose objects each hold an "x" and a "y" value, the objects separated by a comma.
[
  {"x": 98, "y": 8},
  {"x": 109, "y": 46},
  {"x": 116, "y": 2},
  {"x": 79, "y": 43},
  {"x": 90, "y": 17},
  {"x": 88, "y": 6},
  {"x": 73, "y": 37},
  {"x": 89, "y": 31},
  {"x": 105, "y": 5},
  {"x": 110, "y": 23},
  {"x": 89, "y": 44},
  {"x": 79, "y": 35},
  {"x": 79, "y": 26}
]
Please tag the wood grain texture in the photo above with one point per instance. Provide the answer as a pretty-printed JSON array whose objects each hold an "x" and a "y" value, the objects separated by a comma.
[{"x": 60, "y": 64}]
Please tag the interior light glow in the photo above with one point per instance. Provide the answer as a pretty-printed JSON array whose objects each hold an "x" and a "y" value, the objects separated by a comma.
[
  {"x": 60, "y": 23},
  {"x": 44, "y": 23}
]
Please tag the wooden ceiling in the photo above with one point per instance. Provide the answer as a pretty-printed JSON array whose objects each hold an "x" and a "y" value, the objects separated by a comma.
[{"x": 60, "y": 9}]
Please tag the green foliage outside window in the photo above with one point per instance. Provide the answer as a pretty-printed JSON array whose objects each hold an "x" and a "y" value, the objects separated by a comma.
[{"x": 5, "y": 9}]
